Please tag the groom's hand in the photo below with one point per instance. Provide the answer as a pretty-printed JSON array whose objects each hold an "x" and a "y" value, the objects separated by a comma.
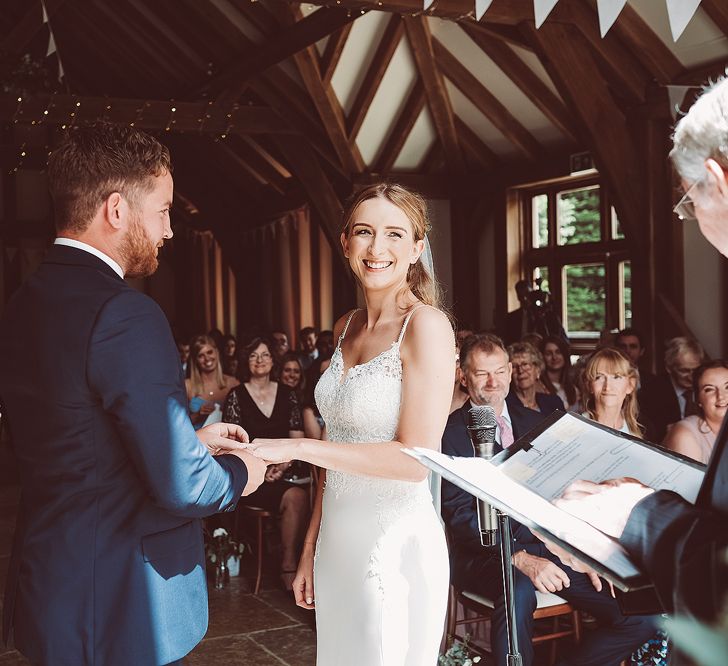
[
  {"x": 222, "y": 438},
  {"x": 256, "y": 470}
]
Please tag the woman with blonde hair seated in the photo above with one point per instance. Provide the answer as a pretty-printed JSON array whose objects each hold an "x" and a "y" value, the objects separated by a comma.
[
  {"x": 695, "y": 435},
  {"x": 609, "y": 391}
]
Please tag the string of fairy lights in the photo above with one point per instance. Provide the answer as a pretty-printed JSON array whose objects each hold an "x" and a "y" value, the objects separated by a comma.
[{"x": 28, "y": 112}]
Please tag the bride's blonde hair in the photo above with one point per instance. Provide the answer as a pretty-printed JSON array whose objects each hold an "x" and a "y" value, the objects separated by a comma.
[{"x": 421, "y": 283}]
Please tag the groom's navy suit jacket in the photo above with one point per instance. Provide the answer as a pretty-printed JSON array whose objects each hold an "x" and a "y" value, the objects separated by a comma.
[{"x": 108, "y": 563}]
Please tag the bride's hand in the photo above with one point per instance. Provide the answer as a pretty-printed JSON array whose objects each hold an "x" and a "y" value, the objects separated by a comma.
[
  {"x": 275, "y": 450},
  {"x": 303, "y": 582}
]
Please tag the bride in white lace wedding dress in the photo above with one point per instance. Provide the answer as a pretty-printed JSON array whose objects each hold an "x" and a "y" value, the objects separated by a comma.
[{"x": 374, "y": 563}]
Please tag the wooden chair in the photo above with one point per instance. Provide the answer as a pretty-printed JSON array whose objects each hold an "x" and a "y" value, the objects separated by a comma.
[
  {"x": 259, "y": 516},
  {"x": 549, "y": 606}
]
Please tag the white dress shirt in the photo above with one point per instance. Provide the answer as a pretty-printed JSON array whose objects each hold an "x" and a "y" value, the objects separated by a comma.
[{"x": 79, "y": 245}]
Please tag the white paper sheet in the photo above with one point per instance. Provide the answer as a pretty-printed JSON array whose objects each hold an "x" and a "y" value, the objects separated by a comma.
[
  {"x": 529, "y": 508},
  {"x": 573, "y": 449}
]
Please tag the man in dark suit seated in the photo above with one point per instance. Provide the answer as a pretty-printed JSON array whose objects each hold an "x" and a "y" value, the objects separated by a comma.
[
  {"x": 108, "y": 561},
  {"x": 486, "y": 373},
  {"x": 668, "y": 398}
]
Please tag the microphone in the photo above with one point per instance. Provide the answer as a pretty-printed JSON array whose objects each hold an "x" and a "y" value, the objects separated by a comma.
[{"x": 481, "y": 428}]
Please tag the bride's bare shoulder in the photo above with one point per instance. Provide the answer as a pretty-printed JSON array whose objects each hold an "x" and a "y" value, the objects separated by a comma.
[
  {"x": 429, "y": 325},
  {"x": 339, "y": 325}
]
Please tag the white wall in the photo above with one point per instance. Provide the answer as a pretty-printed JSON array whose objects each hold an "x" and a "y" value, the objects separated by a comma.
[{"x": 704, "y": 293}]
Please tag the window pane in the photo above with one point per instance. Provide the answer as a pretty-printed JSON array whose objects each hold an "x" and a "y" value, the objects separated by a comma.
[
  {"x": 625, "y": 295},
  {"x": 584, "y": 299},
  {"x": 578, "y": 216},
  {"x": 616, "y": 226},
  {"x": 540, "y": 220},
  {"x": 541, "y": 273}
]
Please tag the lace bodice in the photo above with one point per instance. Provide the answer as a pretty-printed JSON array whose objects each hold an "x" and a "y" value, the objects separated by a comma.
[{"x": 362, "y": 405}]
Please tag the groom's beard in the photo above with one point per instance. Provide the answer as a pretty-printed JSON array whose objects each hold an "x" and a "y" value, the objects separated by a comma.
[{"x": 138, "y": 253}]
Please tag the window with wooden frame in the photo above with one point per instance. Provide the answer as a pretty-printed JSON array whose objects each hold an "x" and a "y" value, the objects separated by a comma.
[{"x": 571, "y": 242}]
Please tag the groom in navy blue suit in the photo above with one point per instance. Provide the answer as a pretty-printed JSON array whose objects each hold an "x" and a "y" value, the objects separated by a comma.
[
  {"x": 108, "y": 564},
  {"x": 486, "y": 374}
]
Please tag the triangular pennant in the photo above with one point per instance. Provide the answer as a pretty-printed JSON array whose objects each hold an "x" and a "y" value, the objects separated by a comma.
[
  {"x": 676, "y": 95},
  {"x": 61, "y": 73},
  {"x": 680, "y": 12},
  {"x": 45, "y": 13},
  {"x": 608, "y": 12},
  {"x": 481, "y": 6},
  {"x": 51, "y": 45},
  {"x": 427, "y": 4},
  {"x": 541, "y": 9}
]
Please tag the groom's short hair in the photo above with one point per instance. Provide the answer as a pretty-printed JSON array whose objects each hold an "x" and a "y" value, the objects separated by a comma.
[
  {"x": 94, "y": 162},
  {"x": 482, "y": 342}
]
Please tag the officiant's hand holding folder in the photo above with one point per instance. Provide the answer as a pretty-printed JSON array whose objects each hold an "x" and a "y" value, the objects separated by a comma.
[{"x": 524, "y": 480}]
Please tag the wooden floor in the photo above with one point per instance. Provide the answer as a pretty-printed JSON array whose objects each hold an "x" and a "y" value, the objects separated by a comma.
[{"x": 265, "y": 630}]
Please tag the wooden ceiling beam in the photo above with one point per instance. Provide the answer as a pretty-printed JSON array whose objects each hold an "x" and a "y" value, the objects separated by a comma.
[
  {"x": 505, "y": 34},
  {"x": 473, "y": 144},
  {"x": 507, "y": 12},
  {"x": 322, "y": 95},
  {"x": 265, "y": 153},
  {"x": 145, "y": 114},
  {"x": 624, "y": 68},
  {"x": 242, "y": 156},
  {"x": 368, "y": 88},
  {"x": 29, "y": 26},
  {"x": 487, "y": 103},
  {"x": 292, "y": 39},
  {"x": 182, "y": 49},
  {"x": 401, "y": 129},
  {"x": 717, "y": 11},
  {"x": 433, "y": 160},
  {"x": 647, "y": 46},
  {"x": 702, "y": 74},
  {"x": 525, "y": 78},
  {"x": 438, "y": 101},
  {"x": 332, "y": 52},
  {"x": 576, "y": 75},
  {"x": 321, "y": 194},
  {"x": 138, "y": 38},
  {"x": 286, "y": 102}
]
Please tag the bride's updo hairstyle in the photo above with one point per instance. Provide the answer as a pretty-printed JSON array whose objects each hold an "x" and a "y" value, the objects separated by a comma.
[{"x": 423, "y": 285}]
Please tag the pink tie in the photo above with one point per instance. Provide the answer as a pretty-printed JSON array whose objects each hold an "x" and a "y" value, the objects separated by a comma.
[{"x": 506, "y": 434}]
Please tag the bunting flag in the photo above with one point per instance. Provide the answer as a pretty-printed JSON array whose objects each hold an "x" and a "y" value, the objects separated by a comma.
[
  {"x": 680, "y": 12},
  {"x": 52, "y": 48},
  {"x": 676, "y": 95},
  {"x": 608, "y": 10},
  {"x": 481, "y": 6},
  {"x": 427, "y": 4},
  {"x": 541, "y": 9}
]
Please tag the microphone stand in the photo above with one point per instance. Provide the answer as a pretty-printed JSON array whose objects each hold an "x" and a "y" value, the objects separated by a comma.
[{"x": 506, "y": 539}]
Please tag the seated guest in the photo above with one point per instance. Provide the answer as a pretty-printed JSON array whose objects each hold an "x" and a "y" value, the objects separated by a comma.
[
  {"x": 208, "y": 385},
  {"x": 609, "y": 391},
  {"x": 459, "y": 393},
  {"x": 528, "y": 364},
  {"x": 269, "y": 409},
  {"x": 280, "y": 346},
  {"x": 486, "y": 373},
  {"x": 695, "y": 435},
  {"x": 183, "y": 348},
  {"x": 229, "y": 346},
  {"x": 307, "y": 342},
  {"x": 631, "y": 343},
  {"x": 669, "y": 398},
  {"x": 325, "y": 346},
  {"x": 313, "y": 422},
  {"x": 557, "y": 374},
  {"x": 291, "y": 374}
]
